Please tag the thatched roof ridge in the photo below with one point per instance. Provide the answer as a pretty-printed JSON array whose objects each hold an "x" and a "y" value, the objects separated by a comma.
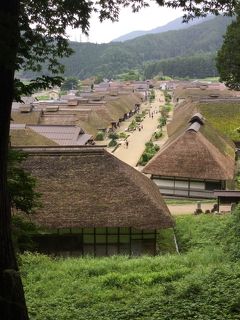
[
  {"x": 191, "y": 155},
  {"x": 195, "y": 126},
  {"x": 197, "y": 117},
  {"x": 89, "y": 187},
  {"x": 182, "y": 116}
]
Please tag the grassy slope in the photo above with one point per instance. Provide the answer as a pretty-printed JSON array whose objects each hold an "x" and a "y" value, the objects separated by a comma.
[
  {"x": 223, "y": 116},
  {"x": 199, "y": 284}
]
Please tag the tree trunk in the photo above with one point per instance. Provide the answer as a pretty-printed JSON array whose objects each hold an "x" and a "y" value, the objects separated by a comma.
[{"x": 12, "y": 301}]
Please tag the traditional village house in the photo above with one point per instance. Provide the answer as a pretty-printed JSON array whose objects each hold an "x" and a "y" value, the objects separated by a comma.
[
  {"x": 194, "y": 161},
  {"x": 54, "y": 94},
  {"x": 95, "y": 204}
]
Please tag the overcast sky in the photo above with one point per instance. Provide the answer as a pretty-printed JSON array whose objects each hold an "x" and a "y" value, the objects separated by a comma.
[{"x": 148, "y": 18}]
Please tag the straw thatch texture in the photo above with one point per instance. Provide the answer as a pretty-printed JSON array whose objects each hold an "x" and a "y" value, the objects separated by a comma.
[
  {"x": 89, "y": 187},
  {"x": 181, "y": 116},
  {"x": 191, "y": 154},
  {"x": 180, "y": 122},
  {"x": 28, "y": 137}
]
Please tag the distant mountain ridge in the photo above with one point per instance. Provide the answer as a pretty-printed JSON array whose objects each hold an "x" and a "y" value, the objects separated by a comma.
[
  {"x": 187, "y": 52},
  {"x": 176, "y": 24}
]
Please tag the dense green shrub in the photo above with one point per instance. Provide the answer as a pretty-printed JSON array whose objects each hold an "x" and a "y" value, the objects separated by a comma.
[
  {"x": 138, "y": 118},
  {"x": 113, "y": 135},
  {"x": 162, "y": 121},
  {"x": 152, "y": 95},
  {"x": 232, "y": 235},
  {"x": 167, "y": 107},
  {"x": 100, "y": 136},
  {"x": 133, "y": 125},
  {"x": 158, "y": 134},
  {"x": 150, "y": 150},
  {"x": 112, "y": 143},
  {"x": 167, "y": 96},
  {"x": 123, "y": 135},
  {"x": 22, "y": 231}
]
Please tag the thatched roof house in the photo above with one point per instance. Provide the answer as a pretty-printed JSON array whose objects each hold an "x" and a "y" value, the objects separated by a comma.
[
  {"x": 90, "y": 188},
  {"x": 194, "y": 161}
]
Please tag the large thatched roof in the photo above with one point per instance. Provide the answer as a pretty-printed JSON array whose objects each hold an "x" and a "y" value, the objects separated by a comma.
[
  {"x": 88, "y": 187},
  {"x": 194, "y": 152}
]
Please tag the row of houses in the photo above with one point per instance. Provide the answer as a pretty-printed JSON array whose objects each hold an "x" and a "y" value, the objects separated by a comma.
[
  {"x": 196, "y": 159},
  {"x": 92, "y": 203},
  {"x": 89, "y": 114},
  {"x": 109, "y": 207}
]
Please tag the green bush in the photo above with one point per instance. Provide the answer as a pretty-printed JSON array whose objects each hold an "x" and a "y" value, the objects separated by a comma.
[
  {"x": 152, "y": 95},
  {"x": 162, "y": 121},
  {"x": 149, "y": 145},
  {"x": 100, "y": 136},
  {"x": 158, "y": 134},
  {"x": 150, "y": 150},
  {"x": 232, "y": 235},
  {"x": 113, "y": 135},
  {"x": 123, "y": 135},
  {"x": 138, "y": 118},
  {"x": 167, "y": 96},
  {"x": 112, "y": 143},
  {"x": 133, "y": 125},
  {"x": 22, "y": 231},
  {"x": 167, "y": 107}
]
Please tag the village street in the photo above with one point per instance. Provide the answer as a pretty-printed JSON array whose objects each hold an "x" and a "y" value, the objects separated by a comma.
[
  {"x": 136, "y": 145},
  {"x": 137, "y": 139}
]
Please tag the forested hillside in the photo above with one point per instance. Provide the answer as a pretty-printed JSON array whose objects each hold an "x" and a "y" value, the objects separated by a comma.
[
  {"x": 196, "y": 46},
  {"x": 200, "y": 65},
  {"x": 176, "y": 24}
]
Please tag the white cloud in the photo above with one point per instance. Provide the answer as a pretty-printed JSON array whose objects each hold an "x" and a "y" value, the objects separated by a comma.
[{"x": 148, "y": 18}]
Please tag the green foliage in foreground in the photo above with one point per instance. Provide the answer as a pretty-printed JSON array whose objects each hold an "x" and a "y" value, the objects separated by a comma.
[{"x": 202, "y": 283}]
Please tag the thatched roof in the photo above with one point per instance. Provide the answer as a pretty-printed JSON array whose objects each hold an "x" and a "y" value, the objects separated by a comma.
[
  {"x": 193, "y": 152},
  {"x": 189, "y": 112},
  {"x": 27, "y": 137},
  {"x": 197, "y": 92},
  {"x": 89, "y": 187}
]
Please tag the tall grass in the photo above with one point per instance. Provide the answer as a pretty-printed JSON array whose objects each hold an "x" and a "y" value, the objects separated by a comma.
[{"x": 200, "y": 283}]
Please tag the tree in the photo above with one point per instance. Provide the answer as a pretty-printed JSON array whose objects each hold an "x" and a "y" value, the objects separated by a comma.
[
  {"x": 70, "y": 84},
  {"x": 33, "y": 32},
  {"x": 228, "y": 57},
  {"x": 201, "y": 8},
  {"x": 21, "y": 184}
]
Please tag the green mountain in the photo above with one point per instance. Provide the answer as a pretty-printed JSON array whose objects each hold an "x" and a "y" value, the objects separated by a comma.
[
  {"x": 108, "y": 60},
  {"x": 176, "y": 24}
]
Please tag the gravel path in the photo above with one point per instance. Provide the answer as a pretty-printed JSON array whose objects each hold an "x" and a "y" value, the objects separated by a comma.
[
  {"x": 137, "y": 139},
  {"x": 187, "y": 208}
]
